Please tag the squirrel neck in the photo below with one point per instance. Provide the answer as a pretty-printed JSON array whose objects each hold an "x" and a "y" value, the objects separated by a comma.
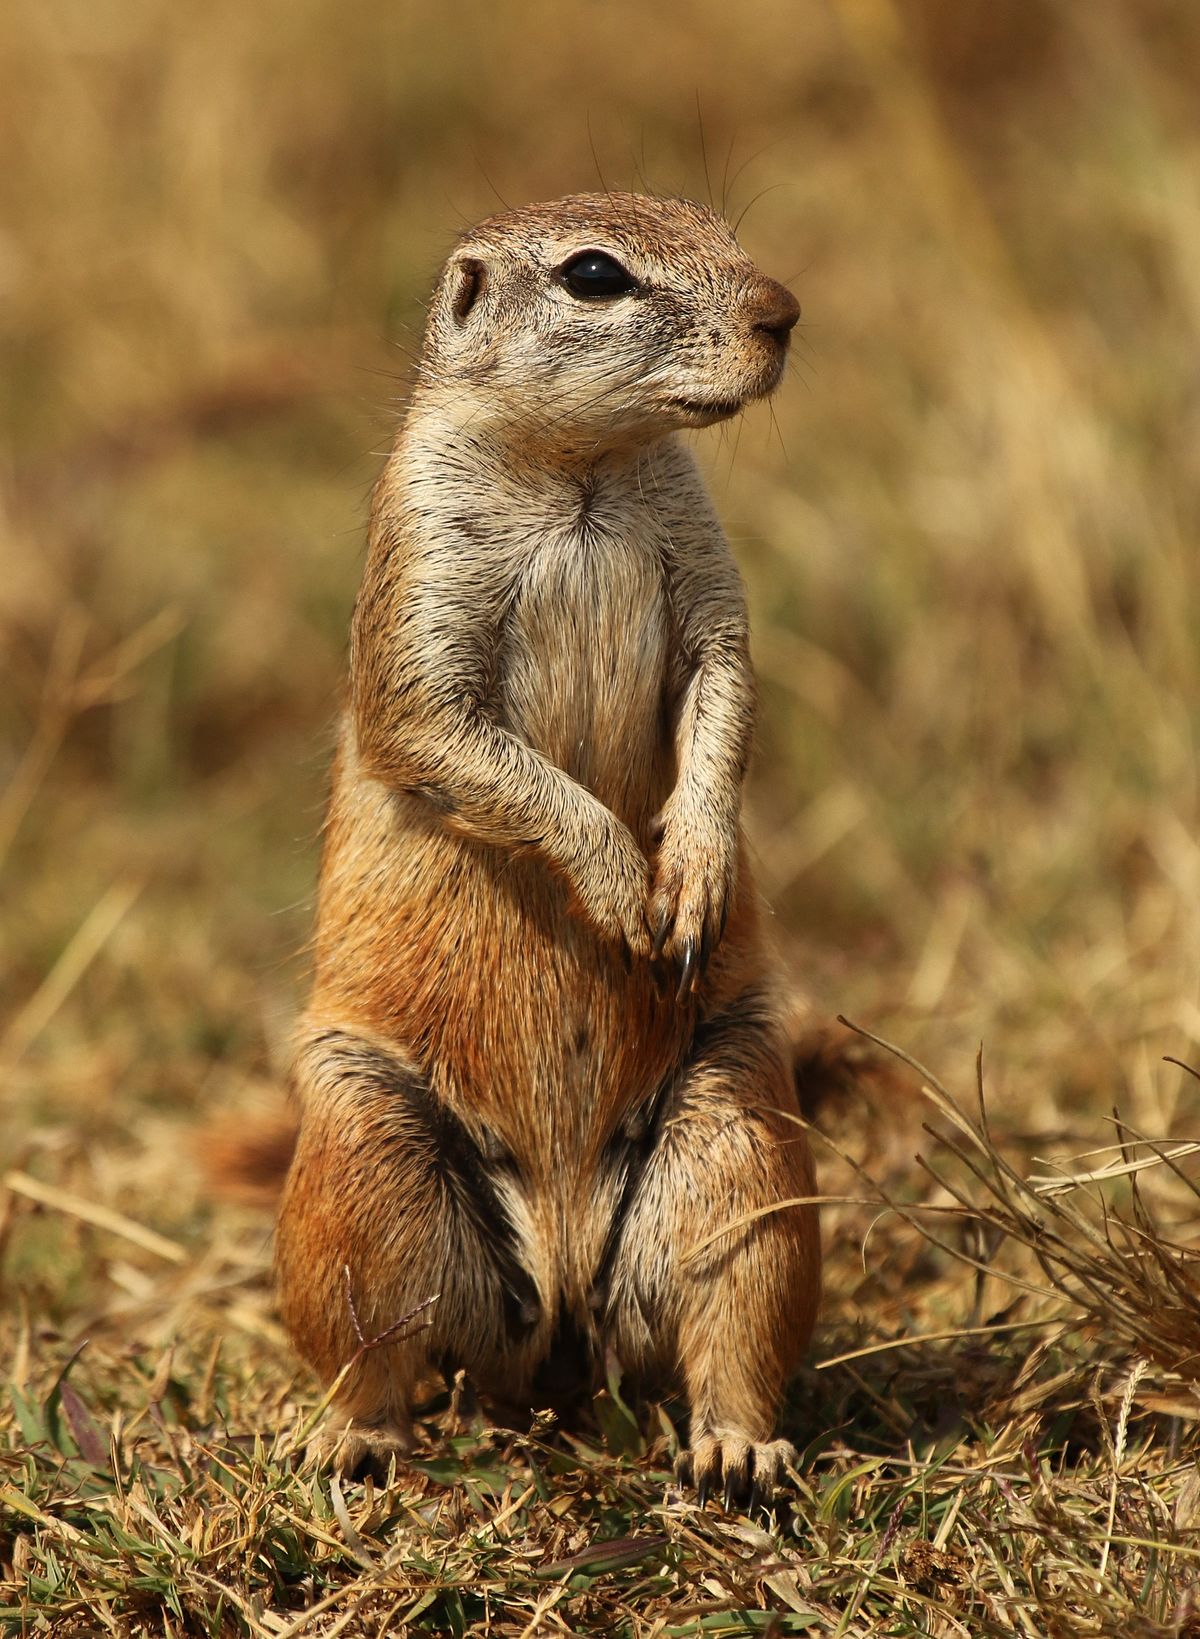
[{"x": 468, "y": 432}]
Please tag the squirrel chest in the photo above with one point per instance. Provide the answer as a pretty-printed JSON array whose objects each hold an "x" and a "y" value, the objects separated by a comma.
[{"x": 584, "y": 662}]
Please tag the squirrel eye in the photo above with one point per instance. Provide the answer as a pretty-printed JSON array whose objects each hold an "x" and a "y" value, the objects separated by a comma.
[{"x": 593, "y": 275}]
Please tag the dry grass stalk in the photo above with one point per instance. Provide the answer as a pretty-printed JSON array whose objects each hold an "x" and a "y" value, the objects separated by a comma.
[{"x": 1119, "y": 1270}]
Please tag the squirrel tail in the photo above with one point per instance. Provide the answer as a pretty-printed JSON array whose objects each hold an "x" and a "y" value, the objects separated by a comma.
[
  {"x": 248, "y": 1159},
  {"x": 834, "y": 1066}
]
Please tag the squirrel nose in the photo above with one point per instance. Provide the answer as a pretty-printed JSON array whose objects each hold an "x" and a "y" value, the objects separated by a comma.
[{"x": 775, "y": 309}]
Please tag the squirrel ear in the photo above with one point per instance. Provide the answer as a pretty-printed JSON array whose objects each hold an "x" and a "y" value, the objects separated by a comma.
[{"x": 469, "y": 276}]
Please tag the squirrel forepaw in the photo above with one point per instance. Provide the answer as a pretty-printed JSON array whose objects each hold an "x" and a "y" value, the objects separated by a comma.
[
  {"x": 689, "y": 905},
  {"x": 610, "y": 883}
]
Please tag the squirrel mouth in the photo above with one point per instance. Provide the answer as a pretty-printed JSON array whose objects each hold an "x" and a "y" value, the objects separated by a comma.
[{"x": 707, "y": 411}]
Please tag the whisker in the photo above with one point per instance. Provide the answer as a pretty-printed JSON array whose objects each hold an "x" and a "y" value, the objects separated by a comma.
[
  {"x": 604, "y": 187},
  {"x": 704, "y": 152},
  {"x": 746, "y": 163},
  {"x": 761, "y": 194},
  {"x": 725, "y": 175}
]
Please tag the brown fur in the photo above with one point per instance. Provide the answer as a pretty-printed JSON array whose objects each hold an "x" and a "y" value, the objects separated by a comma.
[{"x": 544, "y": 1058}]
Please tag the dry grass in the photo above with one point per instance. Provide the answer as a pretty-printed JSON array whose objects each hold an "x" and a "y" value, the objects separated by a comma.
[{"x": 969, "y": 527}]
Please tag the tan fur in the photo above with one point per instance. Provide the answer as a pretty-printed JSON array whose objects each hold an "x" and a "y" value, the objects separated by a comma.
[{"x": 544, "y": 1056}]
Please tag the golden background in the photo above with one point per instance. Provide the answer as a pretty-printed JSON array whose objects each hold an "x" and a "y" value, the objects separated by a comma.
[{"x": 969, "y": 525}]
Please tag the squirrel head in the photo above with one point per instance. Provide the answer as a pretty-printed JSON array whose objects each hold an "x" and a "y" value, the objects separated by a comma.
[{"x": 602, "y": 321}]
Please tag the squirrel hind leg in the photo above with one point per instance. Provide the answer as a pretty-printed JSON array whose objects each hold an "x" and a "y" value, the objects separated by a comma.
[
  {"x": 394, "y": 1249},
  {"x": 714, "y": 1272}
]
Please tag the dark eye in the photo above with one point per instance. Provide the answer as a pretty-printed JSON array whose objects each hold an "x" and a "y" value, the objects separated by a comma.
[{"x": 592, "y": 275}]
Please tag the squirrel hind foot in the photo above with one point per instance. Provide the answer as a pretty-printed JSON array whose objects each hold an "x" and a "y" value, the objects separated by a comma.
[
  {"x": 747, "y": 1475},
  {"x": 356, "y": 1450}
]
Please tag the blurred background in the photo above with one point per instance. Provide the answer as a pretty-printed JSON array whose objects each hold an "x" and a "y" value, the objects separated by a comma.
[{"x": 968, "y": 525}]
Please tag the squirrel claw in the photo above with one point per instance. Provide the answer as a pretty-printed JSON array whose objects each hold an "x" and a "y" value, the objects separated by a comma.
[
  {"x": 688, "y": 972},
  {"x": 737, "y": 1484}
]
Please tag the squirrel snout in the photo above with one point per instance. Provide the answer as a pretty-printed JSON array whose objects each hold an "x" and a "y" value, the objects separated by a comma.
[{"x": 773, "y": 309}]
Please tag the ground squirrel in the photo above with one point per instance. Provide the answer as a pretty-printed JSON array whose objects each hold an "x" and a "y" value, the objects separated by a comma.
[{"x": 543, "y": 1075}]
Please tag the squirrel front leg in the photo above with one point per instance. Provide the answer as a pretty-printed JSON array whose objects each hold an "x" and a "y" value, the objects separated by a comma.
[
  {"x": 422, "y": 652},
  {"x": 493, "y": 787},
  {"x": 700, "y": 825}
]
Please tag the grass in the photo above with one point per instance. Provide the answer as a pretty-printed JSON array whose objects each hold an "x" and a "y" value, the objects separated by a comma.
[{"x": 969, "y": 528}]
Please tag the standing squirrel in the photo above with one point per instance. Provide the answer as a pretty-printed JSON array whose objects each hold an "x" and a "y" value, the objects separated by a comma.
[{"x": 544, "y": 1076}]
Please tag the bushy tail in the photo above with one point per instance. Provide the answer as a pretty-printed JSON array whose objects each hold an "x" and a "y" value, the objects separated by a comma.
[
  {"x": 248, "y": 1161},
  {"x": 835, "y": 1068}
]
